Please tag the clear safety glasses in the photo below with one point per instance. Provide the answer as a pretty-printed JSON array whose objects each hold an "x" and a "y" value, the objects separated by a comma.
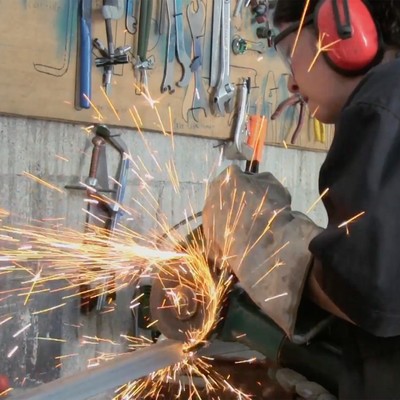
[{"x": 285, "y": 53}]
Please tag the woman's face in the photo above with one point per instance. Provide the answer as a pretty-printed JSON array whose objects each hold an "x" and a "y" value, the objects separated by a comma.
[{"x": 324, "y": 90}]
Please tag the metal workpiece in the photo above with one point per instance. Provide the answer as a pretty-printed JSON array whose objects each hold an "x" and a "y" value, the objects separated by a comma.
[
  {"x": 238, "y": 149},
  {"x": 109, "y": 375}
]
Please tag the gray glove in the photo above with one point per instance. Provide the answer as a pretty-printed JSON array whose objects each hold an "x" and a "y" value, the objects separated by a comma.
[
  {"x": 248, "y": 224},
  {"x": 295, "y": 383}
]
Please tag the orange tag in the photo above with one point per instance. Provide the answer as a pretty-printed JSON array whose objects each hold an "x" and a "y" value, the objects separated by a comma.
[{"x": 258, "y": 126}]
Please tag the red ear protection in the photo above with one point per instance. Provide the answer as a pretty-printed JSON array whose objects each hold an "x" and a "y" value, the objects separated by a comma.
[{"x": 350, "y": 35}]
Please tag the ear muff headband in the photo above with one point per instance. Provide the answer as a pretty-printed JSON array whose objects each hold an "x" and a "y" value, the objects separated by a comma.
[{"x": 350, "y": 36}]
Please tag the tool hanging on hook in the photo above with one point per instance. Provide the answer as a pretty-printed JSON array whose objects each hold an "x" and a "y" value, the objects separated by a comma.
[
  {"x": 220, "y": 64},
  {"x": 196, "y": 19},
  {"x": 142, "y": 63},
  {"x": 110, "y": 56},
  {"x": 292, "y": 101},
  {"x": 84, "y": 86},
  {"x": 130, "y": 18},
  {"x": 175, "y": 47}
]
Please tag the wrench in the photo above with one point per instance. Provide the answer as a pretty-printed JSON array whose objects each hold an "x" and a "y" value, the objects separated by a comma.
[
  {"x": 197, "y": 28},
  {"x": 239, "y": 149},
  {"x": 168, "y": 82},
  {"x": 215, "y": 42},
  {"x": 240, "y": 46},
  {"x": 223, "y": 97},
  {"x": 181, "y": 53}
]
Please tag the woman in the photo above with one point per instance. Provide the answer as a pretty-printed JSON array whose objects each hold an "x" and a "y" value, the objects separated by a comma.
[
  {"x": 343, "y": 59},
  {"x": 356, "y": 271}
]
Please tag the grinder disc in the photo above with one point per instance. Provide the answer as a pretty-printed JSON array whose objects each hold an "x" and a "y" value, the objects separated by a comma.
[{"x": 178, "y": 301}]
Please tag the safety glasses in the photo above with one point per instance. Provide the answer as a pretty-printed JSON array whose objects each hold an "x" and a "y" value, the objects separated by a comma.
[{"x": 285, "y": 54}]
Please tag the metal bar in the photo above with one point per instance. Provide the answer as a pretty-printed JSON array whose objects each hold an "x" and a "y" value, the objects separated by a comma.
[{"x": 109, "y": 375}]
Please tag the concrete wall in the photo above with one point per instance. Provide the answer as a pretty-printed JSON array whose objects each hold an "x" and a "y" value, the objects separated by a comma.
[{"x": 41, "y": 147}]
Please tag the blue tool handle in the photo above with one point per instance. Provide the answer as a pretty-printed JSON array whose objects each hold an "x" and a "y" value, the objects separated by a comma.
[
  {"x": 129, "y": 7},
  {"x": 85, "y": 66}
]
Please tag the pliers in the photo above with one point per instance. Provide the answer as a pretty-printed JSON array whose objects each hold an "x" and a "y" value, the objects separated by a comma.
[{"x": 292, "y": 101}]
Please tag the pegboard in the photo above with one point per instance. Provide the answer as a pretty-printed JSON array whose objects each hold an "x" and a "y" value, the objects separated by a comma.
[{"x": 38, "y": 73}]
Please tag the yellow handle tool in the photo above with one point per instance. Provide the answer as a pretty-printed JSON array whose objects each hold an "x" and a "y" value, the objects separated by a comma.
[{"x": 319, "y": 131}]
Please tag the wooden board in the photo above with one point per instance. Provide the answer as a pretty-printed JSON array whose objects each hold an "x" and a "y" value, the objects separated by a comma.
[{"x": 38, "y": 42}]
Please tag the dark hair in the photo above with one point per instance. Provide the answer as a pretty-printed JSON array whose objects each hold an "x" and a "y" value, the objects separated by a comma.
[{"x": 386, "y": 14}]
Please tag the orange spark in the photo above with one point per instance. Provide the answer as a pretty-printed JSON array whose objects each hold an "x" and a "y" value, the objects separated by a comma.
[
  {"x": 321, "y": 48},
  {"x": 110, "y": 103},
  {"x": 300, "y": 26},
  {"x": 318, "y": 199},
  {"x": 42, "y": 182},
  {"x": 352, "y": 219},
  {"x": 99, "y": 115}
]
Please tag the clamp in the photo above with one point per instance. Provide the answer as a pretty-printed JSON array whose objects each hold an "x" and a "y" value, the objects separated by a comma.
[{"x": 103, "y": 208}]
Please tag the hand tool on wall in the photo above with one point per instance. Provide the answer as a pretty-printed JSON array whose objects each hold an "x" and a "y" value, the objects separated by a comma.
[
  {"x": 215, "y": 43},
  {"x": 181, "y": 53},
  {"x": 292, "y": 101},
  {"x": 130, "y": 17},
  {"x": 224, "y": 91},
  {"x": 168, "y": 82},
  {"x": 105, "y": 204},
  {"x": 196, "y": 19},
  {"x": 240, "y": 46},
  {"x": 161, "y": 17},
  {"x": 260, "y": 9},
  {"x": 110, "y": 56},
  {"x": 85, "y": 53},
  {"x": 265, "y": 32},
  {"x": 175, "y": 47},
  {"x": 238, "y": 8},
  {"x": 142, "y": 64},
  {"x": 319, "y": 131},
  {"x": 239, "y": 149}
]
